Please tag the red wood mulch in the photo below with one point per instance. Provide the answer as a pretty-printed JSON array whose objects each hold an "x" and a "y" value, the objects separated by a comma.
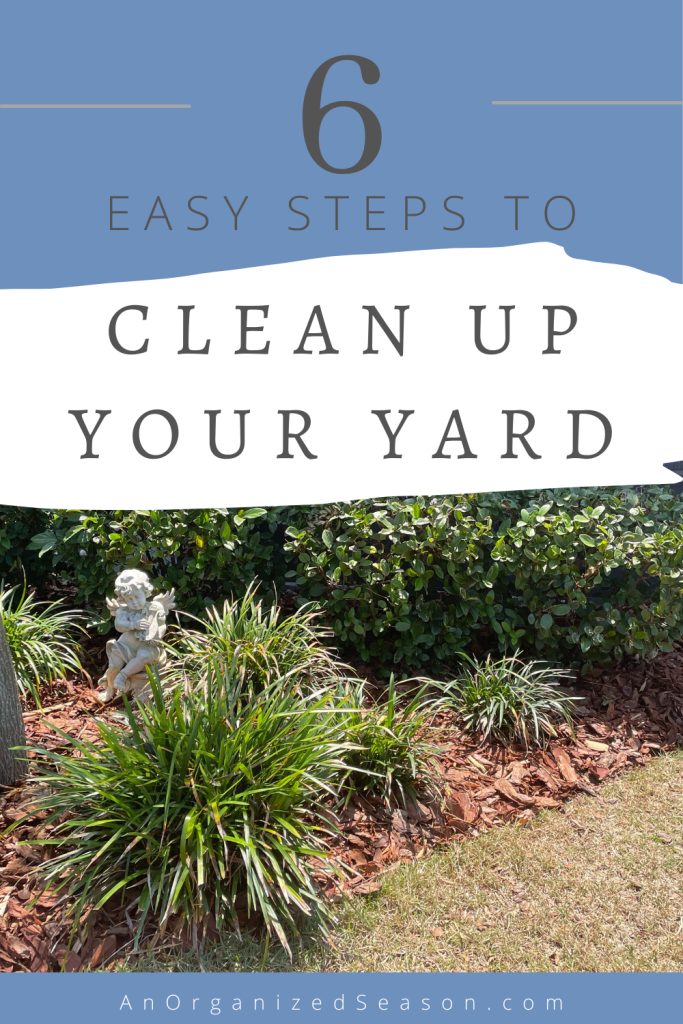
[{"x": 631, "y": 713}]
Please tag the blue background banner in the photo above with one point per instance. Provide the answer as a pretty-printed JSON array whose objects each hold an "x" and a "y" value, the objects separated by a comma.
[
  {"x": 243, "y": 68},
  {"x": 342, "y": 998}
]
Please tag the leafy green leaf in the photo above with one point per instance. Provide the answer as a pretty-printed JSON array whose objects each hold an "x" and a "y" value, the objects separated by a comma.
[{"x": 42, "y": 542}]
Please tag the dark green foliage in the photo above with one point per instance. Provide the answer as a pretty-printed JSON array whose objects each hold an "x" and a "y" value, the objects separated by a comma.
[
  {"x": 18, "y": 557},
  {"x": 510, "y": 700},
  {"x": 571, "y": 575},
  {"x": 206, "y": 554},
  {"x": 574, "y": 575}
]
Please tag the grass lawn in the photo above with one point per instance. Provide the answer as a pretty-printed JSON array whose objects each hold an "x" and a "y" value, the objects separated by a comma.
[{"x": 598, "y": 888}]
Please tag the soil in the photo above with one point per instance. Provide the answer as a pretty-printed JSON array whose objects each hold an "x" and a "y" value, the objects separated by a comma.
[{"x": 630, "y": 714}]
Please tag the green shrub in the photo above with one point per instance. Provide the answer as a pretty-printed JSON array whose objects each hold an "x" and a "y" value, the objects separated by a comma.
[
  {"x": 195, "y": 802},
  {"x": 262, "y": 644},
  {"x": 18, "y": 558},
  {"x": 41, "y": 642},
  {"x": 569, "y": 575},
  {"x": 206, "y": 554},
  {"x": 389, "y": 757},
  {"x": 510, "y": 700}
]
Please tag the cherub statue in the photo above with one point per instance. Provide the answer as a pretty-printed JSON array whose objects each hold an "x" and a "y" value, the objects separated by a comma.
[{"x": 141, "y": 621}]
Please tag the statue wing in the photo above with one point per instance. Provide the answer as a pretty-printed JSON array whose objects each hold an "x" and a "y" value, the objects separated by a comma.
[{"x": 167, "y": 601}]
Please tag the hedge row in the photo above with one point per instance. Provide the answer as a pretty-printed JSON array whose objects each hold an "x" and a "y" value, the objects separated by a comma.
[{"x": 576, "y": 575}]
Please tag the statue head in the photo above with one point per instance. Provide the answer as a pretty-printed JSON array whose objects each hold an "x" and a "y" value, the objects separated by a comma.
[{"x": 133, "y": 588}]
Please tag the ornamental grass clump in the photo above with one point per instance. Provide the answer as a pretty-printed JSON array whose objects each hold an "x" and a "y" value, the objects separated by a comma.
[
  {"x": 41, "y": 639},
  {"x": 199, "y": 799},
  {"x": 511, "y": 700},
  {"x": 389, "y": 757},
  {"x": 262, "y": 645}
]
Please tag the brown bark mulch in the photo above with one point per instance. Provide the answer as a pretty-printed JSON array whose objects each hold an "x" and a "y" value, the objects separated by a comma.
[{"x": 631, "y": 713}]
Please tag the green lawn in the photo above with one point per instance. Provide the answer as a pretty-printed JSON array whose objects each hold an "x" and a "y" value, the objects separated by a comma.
[{"x": 598, "y": 888}]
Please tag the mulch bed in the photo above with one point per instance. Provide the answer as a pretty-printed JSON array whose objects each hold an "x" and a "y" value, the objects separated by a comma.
[{"x": 630, "y": 714}]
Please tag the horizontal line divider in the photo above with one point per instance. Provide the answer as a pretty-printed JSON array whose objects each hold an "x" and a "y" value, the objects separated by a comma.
[
  {"x": 587, "y": 103},
  {"x": 94, "y": 106}
]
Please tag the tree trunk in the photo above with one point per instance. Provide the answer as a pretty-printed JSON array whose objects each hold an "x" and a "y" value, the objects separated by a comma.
[{"x": 12, "y": 733}]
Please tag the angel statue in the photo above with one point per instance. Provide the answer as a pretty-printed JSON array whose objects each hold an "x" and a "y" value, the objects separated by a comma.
[{"x": 141, "y": 621}]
